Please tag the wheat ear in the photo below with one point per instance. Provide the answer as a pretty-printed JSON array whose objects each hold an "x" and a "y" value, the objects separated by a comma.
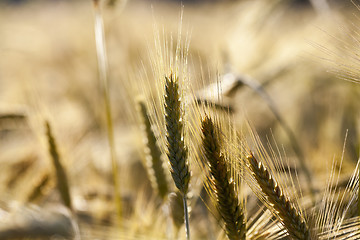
[
  {"x": 176, "y": 209},
  {"x": 61, "y": 178},
  {"x": 227, "y": 200},
  {"x": 177, "y": 151},
  {"x": 39, "y": 188},
  {"x": 153, "y": 155},
  {"x": 294, "y": 223}
]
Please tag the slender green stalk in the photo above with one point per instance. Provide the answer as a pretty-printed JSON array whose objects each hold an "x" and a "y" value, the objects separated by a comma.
[
  {"x": 228, "y": 204},
  {"x": 102, "y": 62},
  {"x": 177, "y": 151}
]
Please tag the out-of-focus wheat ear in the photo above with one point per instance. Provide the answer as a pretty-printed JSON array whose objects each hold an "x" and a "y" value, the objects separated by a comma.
[
  {"x": 228, "y": 204},
  {"x": 292, "y": 220},
  {"x": 176, "y": 149},
  {"x": 40, "y": 188},
  {"x": 61, "y": 177},
  {"x": 176, "y": 209},
  {"x": 18, "y": 170},
  {"x": 153, "y": 155}
]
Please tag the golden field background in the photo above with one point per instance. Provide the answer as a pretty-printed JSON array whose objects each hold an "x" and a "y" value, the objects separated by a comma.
[{"x": 48, "y": 71}]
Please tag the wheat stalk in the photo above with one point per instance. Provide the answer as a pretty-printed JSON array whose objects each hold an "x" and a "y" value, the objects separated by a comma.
[
  {"x": 291, "y": 219},
  {"x": 103, "y": 75},
  {"x": 227, "y": 200},
  {"x": 177, "y": 151}
]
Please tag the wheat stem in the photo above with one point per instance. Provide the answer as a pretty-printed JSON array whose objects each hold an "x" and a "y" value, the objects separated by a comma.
[
  {"x": 102, "y": 62},
  {"x": 186, "y": 218}
]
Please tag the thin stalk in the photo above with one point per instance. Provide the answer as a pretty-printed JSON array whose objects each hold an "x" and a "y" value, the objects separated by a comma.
[
  {"x": 186, "y": 215},
  {"x": 102, "y": 64}
]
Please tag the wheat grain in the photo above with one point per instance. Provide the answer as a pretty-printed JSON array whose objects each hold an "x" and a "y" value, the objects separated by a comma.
[
  {"x": 294, "y": 223},
  {"x": 177, "y": 151},
  {"x": 290, "y": 218},
  {"x": 227, "y": 200}
]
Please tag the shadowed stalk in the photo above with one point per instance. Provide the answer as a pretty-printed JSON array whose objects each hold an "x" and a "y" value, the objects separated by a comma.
[
  {"x": 102, "y": 62},
  {"x": 176, "y": 209},
  {"x": 61, "y": 178},
  {"x": 289, "y": 216},
  {"x": 177, "y": 151},
  {"x": 227, "y": 200},
  {"x": 153, "y": 155}
]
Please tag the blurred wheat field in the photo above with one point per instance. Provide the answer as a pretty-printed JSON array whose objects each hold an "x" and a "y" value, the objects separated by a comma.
[{"x": 286, "y": 63}]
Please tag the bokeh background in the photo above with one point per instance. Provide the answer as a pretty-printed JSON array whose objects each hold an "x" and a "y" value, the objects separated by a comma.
[{"x": 301, "y": 52}]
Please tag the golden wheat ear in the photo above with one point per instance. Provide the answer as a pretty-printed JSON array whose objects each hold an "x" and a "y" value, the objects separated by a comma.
[
  {"x": 228, "y": 204},
  {"x": 153, "y": 155},
  {"x": 176, "y": 149},
  {"x": 61, "y": 176},
  {"x": 289, "y": 216}
]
